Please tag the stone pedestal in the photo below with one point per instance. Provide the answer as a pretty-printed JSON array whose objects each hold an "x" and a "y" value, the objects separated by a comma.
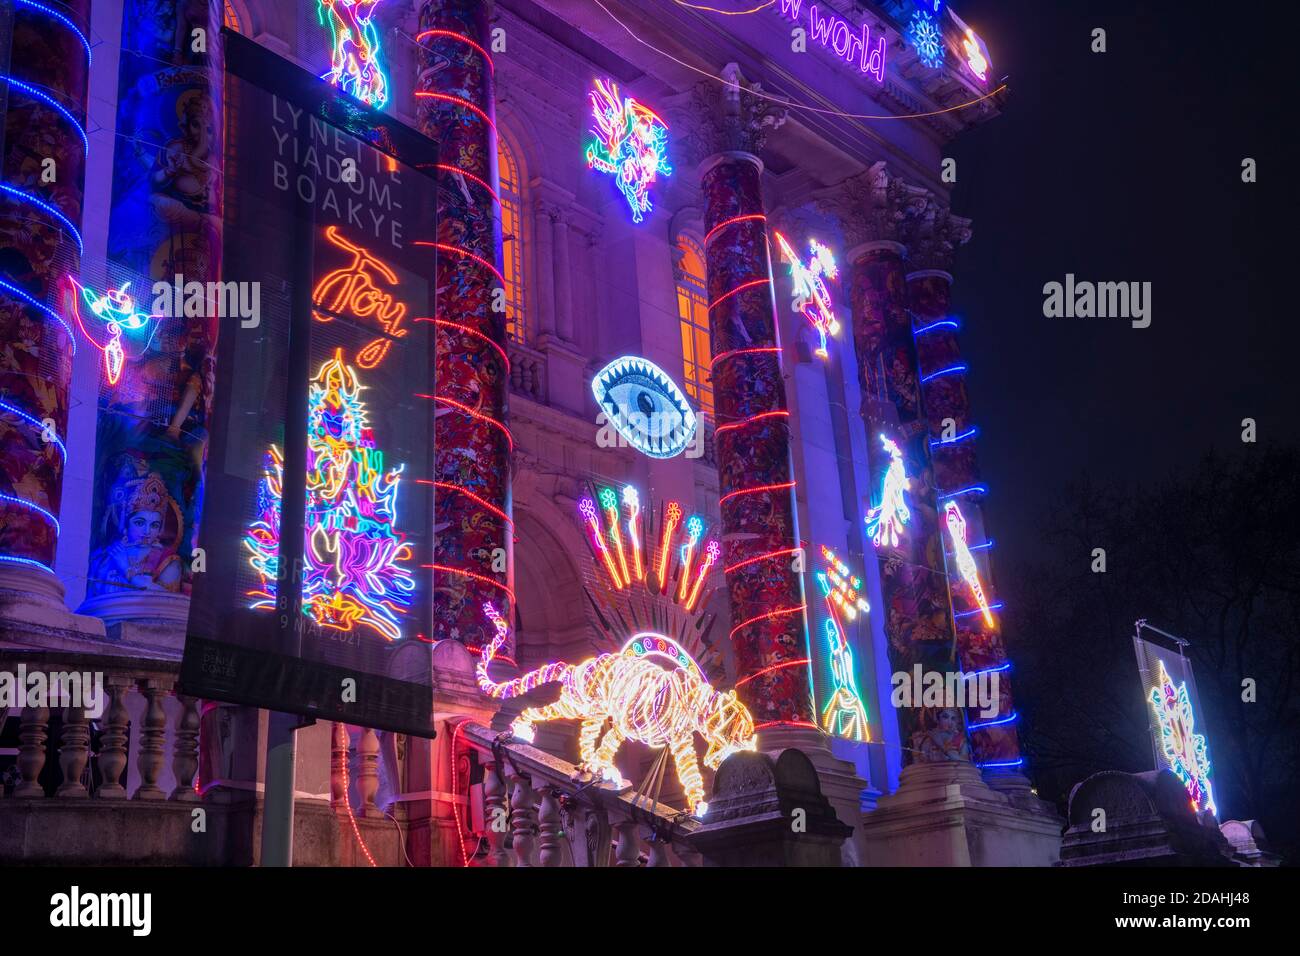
[
  {"x": 838, "y": 779},
  {"x": 767, "y": 811},
  {"x": 31, "y": 606},
  {"x": 944, "y": 814}
]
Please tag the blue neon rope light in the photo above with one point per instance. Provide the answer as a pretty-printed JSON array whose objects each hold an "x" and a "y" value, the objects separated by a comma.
[
  {"x": 992, "y": 607},
  {"x": 46, "y": 207},
  {"x": 950, "y": 370},
  {"x": 994, "y": 723},
  {"x": 6, "y": 407},
  {"x": 31, "y": 561},
  {"x": 39, "y": 94},
  {"x": 968, "y": 433},
  {"x": 61, "y": 18},
  {"x": 10, "y": 499},
  {"x": 942, "y": 323},
  {"x": 969, "y": 489},
  {"x": 49, "y": 313},
  {"x": 1004, "y": 666},
  {"x": 1003, "y": 763}
]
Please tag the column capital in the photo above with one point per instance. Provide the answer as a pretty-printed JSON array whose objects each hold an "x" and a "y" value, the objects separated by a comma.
[
  {"x": 875, "y": 205},
  {"x": 714, "y": 119},
  {"x": 933, "y": 238}
]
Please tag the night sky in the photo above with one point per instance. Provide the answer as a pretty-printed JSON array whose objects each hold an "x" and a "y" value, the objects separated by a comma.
[{"x": 1126, "y": 166}]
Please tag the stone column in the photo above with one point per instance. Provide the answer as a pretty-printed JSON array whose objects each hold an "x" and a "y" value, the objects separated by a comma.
[
  {"x": 166, "y": 221},
  {"x": 760, "y": 533},
  {"x": 913, "y": 581},
  {"x": 563, "y": 279},
  {"x": 42, "y": 175},
  {"x": 995, "y": 745},
  {"x": 473, "y": 547}
]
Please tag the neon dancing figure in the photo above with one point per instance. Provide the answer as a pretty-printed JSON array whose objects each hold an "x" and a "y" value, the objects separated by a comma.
[
  {"x": 965, "y": 560},
  {"x": 843, "y": 715},
  {"x": 811, "y": 297},
  {"x": 1184, "y": 750},
  {"x": 354, "y": 63},
  {"x": 631, "y": 145},
  {"x": 886, "y": 521}
]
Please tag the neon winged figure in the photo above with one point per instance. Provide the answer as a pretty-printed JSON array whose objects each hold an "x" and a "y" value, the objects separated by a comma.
[
  {"x": 354, "y": 560},
  {"x": 122, "y": 324},
  {"x": 952, "y": 516},
  {"x": 886, "y": 521},
  {"x": 844, "y": 715},
  {"x": 1184, "y": 750},
  {"x": 354, "y": 63},
  {"x": 811, "y": 297},
  {"x": 631, "y": 144}
]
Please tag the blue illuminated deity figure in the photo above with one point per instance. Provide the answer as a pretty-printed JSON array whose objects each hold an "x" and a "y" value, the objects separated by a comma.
[
  {"x": 886, "y": 521},
  {"x": 354, "y": 560},
  {"x": 926, "y": 39},
  {"x": 1184, "y": 750},
  {"x": 354, "y": 64},
  {"x": 631, "y": 145}
]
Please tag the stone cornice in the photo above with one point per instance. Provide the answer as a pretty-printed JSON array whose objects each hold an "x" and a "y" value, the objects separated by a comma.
[{"x": 711, "y": 119}]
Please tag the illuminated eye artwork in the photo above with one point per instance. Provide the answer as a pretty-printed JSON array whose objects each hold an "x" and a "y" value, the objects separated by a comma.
[
  {"x": 926, "y": 39},
  {"x": 886, "y": 521},
  {"x": 1184, "y": 749},
  {"x": 631, "y": 144},
  {"x": 350, "y": 292},
  {"x": 645, "y": 406},
  {"x": 965, "y": 560},
  {"x": 354, "y": 64},
  {"x": 811, "y": 297},
  {"x": 116, "y": 321},
  {"x": 651, "y": 690},
  {"x": 844, "y": 715},
  {"x": 354, "y": 575}
]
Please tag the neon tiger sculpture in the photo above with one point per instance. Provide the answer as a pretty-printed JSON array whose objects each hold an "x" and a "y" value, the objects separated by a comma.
[{"x": 638, "y": 700}]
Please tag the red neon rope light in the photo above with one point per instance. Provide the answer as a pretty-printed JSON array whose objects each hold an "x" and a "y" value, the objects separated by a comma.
[
  {"x": 347, "y": 802},
  {"x": 460, "y": 102},
  {"x": 473, "y": 414},
  {"x": 455, "y": 795},
  {"x": 468, "y": 175},
  {"x": 470, "y": 574},
  {"x": 471, "y": 331},
  {"x": 747, "y": 421},
  {"x": 443, "y": 247},
  {"x": 732, "y": 221},
  {"x": 762, "y": 557},
  {"x": 762, "y": 617},
  {"x": 786, "y": 723},
  {"x": 447, "y": 486},
  {"x": 733, "y": 352},
  {"x": 737, "y": 290},
  {"x": 756, "y": 488},
  {"x": 768, "y": 670},
  {"x": 458, "y": 36}
]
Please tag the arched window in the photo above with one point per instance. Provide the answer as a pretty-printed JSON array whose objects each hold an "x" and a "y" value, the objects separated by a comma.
[
  {"x": 693, "y": 311},
  {"x": 232, "y": 17},
  {"x": 512, "y": 228}
]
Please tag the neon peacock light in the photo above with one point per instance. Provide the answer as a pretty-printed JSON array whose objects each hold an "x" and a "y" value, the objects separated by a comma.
[
  {"x": 885, "y": 521},
  {"x": 354, "y": 59},
  {"x": 631, "y": 144}
]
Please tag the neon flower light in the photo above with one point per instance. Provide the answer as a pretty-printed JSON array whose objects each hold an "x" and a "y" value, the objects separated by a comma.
[
  {"x": 1184, "y": 750},
  {"x": 354, "y": 63},
  {"x": 354, "y": 575},
  {"x": 672, "y": 517},
  {"x": 587, "y": 508},
  {"x": 952, "y": 516},
  {"x": 694, "y": 529},
  {"x": 844, "y": 714},
  {"x": 841, "y": 39},
  {"x": 712, "y": 551},
  {"x": 846, "y": 587},
  {"x": 645, "y": 406},
  {"x": 926, "y": 39},
  {"x": 632, "y": 501},
  {"x": 350, "y": 292},
  {"x": 609, "y": 501},
  {"x": 811, "y": 297},
  {"x": 631, "y": 145},
  {"x": 650, "y": 691},
  {"x": 121, "y": 321},
  {"x": 886, "y": 521}
]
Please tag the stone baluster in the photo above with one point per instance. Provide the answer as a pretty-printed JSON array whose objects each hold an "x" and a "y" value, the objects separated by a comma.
[
  {"x": 338, "y": 762},
  {"x": 657, "y": 852},
  {"x": 523, "y": 819},
  {"x": 74, "y": 751},
  {"x": 627, "y": 849},
  {"x": 368, "y": 772},
  {"x": 113, "y": 739},
  {"x": 185, "y": 750},
  {"x": 550, "y": 828},
  {"x": 496, "y": 815},
  {"x": 32, "y": 731},
  {"x": 152, "y": 736}
]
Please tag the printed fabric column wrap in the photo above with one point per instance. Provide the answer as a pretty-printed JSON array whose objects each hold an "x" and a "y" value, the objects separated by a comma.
[
  {"x": 166, "y": 222},
  {"x": 752, "y": 441},
  {"x": 995, "y": 745},
  {"x": 41, "y": 193},
  {"x": 913, "y": 578},
  {"x": 473, "y": 550}
]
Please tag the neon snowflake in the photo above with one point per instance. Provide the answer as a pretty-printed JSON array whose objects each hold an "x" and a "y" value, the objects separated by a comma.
[
  {"x": 354, "y": 574},
  {"x": 926, "y": 39},
  {"x": 885, "y": 521},
  {"x": 1184, "y": 750},
  {"x": 631, "y": 145}
]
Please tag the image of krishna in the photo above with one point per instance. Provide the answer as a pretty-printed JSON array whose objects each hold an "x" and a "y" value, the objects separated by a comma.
[{"x": 144, "y": 528}]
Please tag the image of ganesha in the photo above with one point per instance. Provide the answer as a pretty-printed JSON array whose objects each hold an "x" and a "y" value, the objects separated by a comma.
[{"x": 147, "y": 522}]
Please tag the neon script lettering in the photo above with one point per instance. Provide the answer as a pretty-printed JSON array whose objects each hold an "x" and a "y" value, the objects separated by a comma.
[{"x": 841, "y": 39}]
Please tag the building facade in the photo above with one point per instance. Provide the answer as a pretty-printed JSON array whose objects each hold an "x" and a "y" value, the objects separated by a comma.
[{"x": 779, "y": 168}]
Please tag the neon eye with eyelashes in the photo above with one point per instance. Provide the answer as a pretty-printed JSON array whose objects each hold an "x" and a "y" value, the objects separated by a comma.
[{"x": 646, "y": 406}]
